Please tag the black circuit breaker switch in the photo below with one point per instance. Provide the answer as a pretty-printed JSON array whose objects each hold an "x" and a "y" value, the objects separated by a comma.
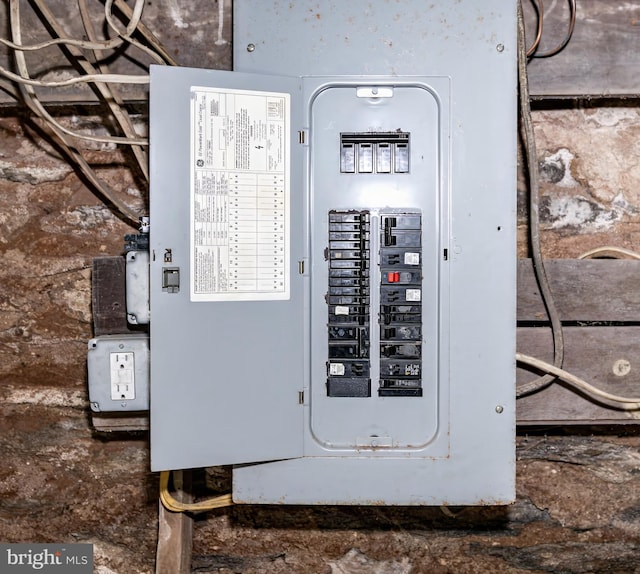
[{"x": 348, "y": 387}]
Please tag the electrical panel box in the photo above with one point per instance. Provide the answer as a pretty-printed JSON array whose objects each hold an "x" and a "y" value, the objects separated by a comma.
[{"x": 332, "y": 255}]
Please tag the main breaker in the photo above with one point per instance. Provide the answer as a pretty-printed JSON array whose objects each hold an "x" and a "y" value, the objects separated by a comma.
[{"x": 332, "y": 255}]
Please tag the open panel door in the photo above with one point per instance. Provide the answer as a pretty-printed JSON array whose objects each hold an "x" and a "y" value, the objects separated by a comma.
[{"x": 227, "y": 233}]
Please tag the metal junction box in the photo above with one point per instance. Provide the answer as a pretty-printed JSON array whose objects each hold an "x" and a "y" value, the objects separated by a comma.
[{"x": 332, "y": 255}]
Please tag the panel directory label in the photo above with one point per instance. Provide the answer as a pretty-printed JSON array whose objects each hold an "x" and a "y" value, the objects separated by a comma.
[{"x": 239, "y": 195}]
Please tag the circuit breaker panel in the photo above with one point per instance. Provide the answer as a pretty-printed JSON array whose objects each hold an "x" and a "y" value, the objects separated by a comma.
[
  {"x": 377, "y": 252},
  {"x": 399, "y": 312},
  {"x": 332, "y": 255}
]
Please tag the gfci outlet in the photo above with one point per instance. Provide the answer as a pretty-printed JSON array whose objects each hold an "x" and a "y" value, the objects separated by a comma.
[
  {"x": 122, "y": 376},
  {"x": 118, "y": 372}
]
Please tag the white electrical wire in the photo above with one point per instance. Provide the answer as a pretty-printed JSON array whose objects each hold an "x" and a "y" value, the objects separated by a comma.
[
  {"x": 112, "y": 43},
  {"x": 23, "y": 78},
  {"x": 134, "y": 21},
  {"x": 84, "y": 44},
  {"x": 23, "y": 83},
  {"x": 610, "y": 251},
  {"x": 158, "y": 51},
  {"x": 101, "y": 87},
  {"x": 220, "y": 41},
  {"x": 93, "y": 78},
  {"x": 32, "y": 101},
  {"x": 108, "y": 94},
  {"x": 630, "y": 403},
  {"x": 85, "y": 79},
  {"x": 42, "y": 112}
]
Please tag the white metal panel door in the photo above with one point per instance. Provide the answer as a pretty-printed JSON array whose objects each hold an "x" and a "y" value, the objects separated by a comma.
[{"x": 227, "y": 233}]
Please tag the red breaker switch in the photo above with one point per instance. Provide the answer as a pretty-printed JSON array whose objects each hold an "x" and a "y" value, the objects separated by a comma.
[{"x": 393, "y": 277}]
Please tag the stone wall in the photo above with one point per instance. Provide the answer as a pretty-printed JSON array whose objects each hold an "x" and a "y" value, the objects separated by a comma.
[
  {"x": 590, "y": 181},
  {"x": 578, "y": 506}
]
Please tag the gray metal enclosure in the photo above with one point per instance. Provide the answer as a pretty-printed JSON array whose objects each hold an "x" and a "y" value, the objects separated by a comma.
[{"x": 333, "y": 256}]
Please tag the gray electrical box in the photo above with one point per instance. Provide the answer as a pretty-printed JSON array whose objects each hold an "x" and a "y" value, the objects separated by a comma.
[{"x": 332, "y": 269}]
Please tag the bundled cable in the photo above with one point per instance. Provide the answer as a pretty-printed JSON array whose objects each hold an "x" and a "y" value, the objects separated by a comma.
[
  {"x": 171, "y": 503},
  {"x": 126, "y": 29}
]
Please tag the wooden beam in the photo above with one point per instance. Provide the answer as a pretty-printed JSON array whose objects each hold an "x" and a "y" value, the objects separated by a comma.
[
  {"x": 596, "y": 60},
  {"x": 175, "y": 531},
  {"x": 108, "y": 296},
  {"x": 606, "y": 357},
  {"x": 120, "y": 422},
  {"x": 601, "y": 291},
  {"x": 583, "y": 289}
]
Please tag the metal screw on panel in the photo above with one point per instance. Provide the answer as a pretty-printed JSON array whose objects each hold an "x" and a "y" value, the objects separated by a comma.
[
  {"x": 251, "y": 47},
  {"x": 123, "y": 405},
  {"x": 500, "y": 47},
  {"x": 499, "y": 409},
  {"x": 121, "y": 346}
]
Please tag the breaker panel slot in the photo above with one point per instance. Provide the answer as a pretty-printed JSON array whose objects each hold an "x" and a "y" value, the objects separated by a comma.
[
  {"x": 400, "y": 305},
  {"x": 374, "y": 152},
  {"x": 348, "y": 299}
]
